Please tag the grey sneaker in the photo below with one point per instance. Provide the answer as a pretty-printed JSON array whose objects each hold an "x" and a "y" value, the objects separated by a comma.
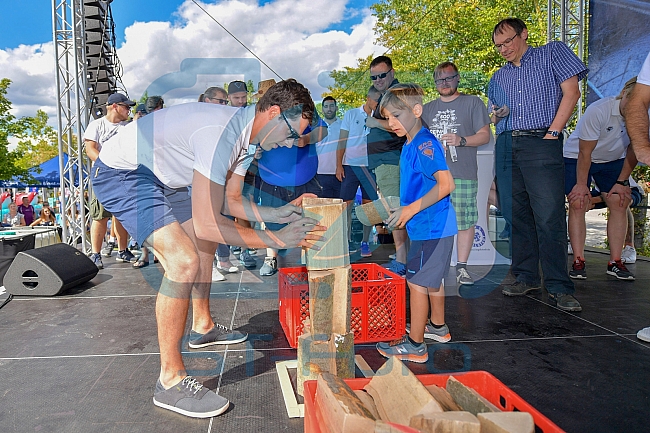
[
  {"x": 97, "y": 260},
  {"x": 269, "y": 267},
  {"x": 126, "y": 256},
  {"x": 440, "y": 335},
  {"x": 247, "y": 260},
  {"x": 565, "y": 302},
  {"x": 188, "y": 397},
  {"x": 463, "y": 277},
  {"x": 518, "y": 288},
  {"x": 108, "y": 249},
  {"x": 217, "y": 335},
  {"x": 405, "y": 350}
]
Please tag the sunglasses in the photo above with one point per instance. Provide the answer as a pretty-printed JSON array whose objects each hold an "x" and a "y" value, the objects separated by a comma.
[
  {"x": 219, "y": 101},
  {"x": 292, "y": 132},
  {"x": 380, "y": 76}
]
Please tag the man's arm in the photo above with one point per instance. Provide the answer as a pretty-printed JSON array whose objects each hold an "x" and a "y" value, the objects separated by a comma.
[
  {"x": 478, "y": 139},
  {"x": 570, "y": 96},
  {"x": 624, "y": 192},
  {"x": 340, "y": 152},
  {"x": 92, "y": 149},
  {"x": 580, "y": 190},
  {"x": 372, "y": 122},
  {"x": 636, "y": 118}
]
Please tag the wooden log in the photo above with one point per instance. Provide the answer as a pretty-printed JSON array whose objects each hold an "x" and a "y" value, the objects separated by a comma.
[
  {"x": 368, "y": 402},
  {"x": 333, "y": 251},
  {"x": 468, "y": 399},
  {"x": 314, "y": 357},
  {"x": 342, "y": 348},
  {"x": 376, "y": 211},
  {"x": 330, "y": 295},
  {"x": 398, "y": 394},
  {"x": 506, "y": 422},
  {"x": 341, "y": 409},
  {"x": 446, "y": 422},
  {"x": 443, "y": 397}
]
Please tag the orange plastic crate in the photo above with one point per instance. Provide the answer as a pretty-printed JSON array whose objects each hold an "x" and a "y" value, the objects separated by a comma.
[
  {"x": 378, "y": 303},
  {"x": 481, "y": 381}
]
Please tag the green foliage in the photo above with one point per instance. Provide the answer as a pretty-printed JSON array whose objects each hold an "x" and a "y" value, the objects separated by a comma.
[
  {"x": 38, "y": 142},
  {"x": 9, "y": 126},
  {"x": 423, "y": 33}
]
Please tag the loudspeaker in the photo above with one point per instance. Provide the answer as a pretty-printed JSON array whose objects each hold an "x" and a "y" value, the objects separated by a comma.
[{"x": 48, "y": 271}]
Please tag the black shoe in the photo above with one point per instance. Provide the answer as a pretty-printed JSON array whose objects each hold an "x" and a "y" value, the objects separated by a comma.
[
  {"x": 518, "y": 288},
  {"x": 619, "y": 270},
  {"x": 578, "y": 270},
  {"x": 565, "y": 302}
]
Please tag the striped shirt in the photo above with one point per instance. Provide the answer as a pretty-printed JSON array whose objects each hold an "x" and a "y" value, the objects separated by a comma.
[{"x": 532, "y": 91}]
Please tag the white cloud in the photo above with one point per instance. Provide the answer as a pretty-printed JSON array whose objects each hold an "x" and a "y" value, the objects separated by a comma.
[{"x": 290, "y": 35}]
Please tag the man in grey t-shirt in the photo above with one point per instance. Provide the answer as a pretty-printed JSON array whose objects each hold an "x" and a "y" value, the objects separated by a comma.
[{"x": 462, "y": 124}]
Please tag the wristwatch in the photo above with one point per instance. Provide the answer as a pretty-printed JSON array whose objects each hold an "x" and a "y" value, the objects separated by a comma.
[
  {"x": 625, "y": 182},
  {"x": 553, "y": 133},
  {"x": 463, "y": 142}
]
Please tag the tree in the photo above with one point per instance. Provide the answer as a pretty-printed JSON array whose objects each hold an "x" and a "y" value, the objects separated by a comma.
[
  {"x": 423, "y": 33},
  {"x": 9, "y": 126},
  {"x": 38, "y": 141}
]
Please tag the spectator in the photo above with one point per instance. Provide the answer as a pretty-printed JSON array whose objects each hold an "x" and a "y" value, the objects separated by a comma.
[
  {"x": 428, "y": 215},
  {"x": 531, "y": 97},
  {"x": 352, "y": 163},
  {"x": 27, "y": 210},
  {"x": 636, "y": 117},
  {"x": 46, "y": 218},
  {"x": 237, "y": 94},
  {"x": 214, "y": 95},
  {"x": 462, "y": 124},
  {"x": 326, "y": 150},
  {"x": 14, "y": 218},
  {"x": 597, "y": 150}
]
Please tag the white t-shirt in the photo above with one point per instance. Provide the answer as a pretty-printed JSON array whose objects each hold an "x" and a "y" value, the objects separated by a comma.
[
  {"x": 326, "y": 149},
  {"x": 173, "y": 142},
  {"x": 602, "y": 121},
  {"x": 644, "y": 74},
  {"x": 356, "y": 148},
  {"x": 101, "y": 130}
]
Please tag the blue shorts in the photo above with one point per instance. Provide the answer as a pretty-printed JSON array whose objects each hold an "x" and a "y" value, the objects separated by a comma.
[
  {"x": 331, "y": 185},
  {"x": 428, "y": 262},
  {"x": 604, "y": 174},
  {"x": 276, "y": 196},
  {"x": 356, "y": 177},
  {"x": 139, "y": 200}
]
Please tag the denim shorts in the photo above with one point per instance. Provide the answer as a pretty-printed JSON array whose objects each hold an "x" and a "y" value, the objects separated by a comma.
[
  {"x": 139, "y": 200},
  {"x": 604, "y": 174},
  {"x": 428, "y": 262},
  {"x": 276, "y": 196},
  {"x": 356, "y": 177}
]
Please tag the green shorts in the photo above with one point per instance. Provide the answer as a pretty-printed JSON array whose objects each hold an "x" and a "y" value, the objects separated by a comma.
[
  {"x": 97, "y": 211},
  {"x": 388, "y": 180},
  {"x": 464, "y": 200}
]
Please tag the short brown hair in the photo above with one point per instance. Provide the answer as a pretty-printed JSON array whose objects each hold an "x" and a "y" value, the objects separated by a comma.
[
  {"x": 290, "y": 96},
  {"x": 403, "y": 96},
  {"x": 516, "y": 24},
  {"x": 444, "y": 65}
]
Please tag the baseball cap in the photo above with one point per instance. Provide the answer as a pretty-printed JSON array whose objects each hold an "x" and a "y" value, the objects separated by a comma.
[
  {"x": 118, "y": 98},
  {"x": 237, "y": 86},
  {"x": 141, "y": 109}
]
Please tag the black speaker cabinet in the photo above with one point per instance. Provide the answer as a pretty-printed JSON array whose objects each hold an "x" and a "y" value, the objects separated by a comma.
[{"x": 48, "y": 271}]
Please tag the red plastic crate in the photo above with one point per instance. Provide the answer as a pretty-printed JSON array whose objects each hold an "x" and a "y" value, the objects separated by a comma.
[
  {"x": 378, "y": 303},
  {"x": 481, "y": 381}
]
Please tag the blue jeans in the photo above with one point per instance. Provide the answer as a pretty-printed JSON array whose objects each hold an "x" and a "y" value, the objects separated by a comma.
[{"x": 530, "y": 183}]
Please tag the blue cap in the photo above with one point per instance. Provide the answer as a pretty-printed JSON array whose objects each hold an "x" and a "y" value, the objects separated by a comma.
[{"x": 118, "y": 98}]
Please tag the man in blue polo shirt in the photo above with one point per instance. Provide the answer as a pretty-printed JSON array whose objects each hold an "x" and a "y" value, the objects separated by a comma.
[{"x": 532, "y": 97}]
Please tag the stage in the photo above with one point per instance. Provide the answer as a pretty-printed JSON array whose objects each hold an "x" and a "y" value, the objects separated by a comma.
[{"x": 87, "y": 360}]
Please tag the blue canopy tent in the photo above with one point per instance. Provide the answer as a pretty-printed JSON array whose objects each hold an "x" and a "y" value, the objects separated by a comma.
[{"x": 45, "y": 175}]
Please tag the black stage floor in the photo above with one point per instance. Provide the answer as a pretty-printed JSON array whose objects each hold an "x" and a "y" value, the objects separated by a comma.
[{"x": 87, "y": 361}]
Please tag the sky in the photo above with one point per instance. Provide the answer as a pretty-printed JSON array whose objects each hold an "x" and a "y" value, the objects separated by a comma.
[{"x": 303, "y": 39}]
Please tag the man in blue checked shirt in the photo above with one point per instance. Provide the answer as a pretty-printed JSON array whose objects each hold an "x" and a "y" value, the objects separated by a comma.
[{"x": 532, "y": 97}]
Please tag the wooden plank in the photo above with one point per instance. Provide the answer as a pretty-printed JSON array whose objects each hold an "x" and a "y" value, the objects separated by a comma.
[
  {"x": 506, "y": 422},
  {"x": 363, "y": 366},
  {"x": 342, "y": 346},
  {"x": 446, "y": 422},
  {"x": 367, "y": 401},
  {"x": 333, "y": 251},
  {"x": 468, "y": 399},
  {"x": 443, "y": 397},
  {"x": 330, "y": 296},
  {"x": 314, "y": 357},
  {"x": 343, "y": 411},
  {"x": 294, "y": 410}
]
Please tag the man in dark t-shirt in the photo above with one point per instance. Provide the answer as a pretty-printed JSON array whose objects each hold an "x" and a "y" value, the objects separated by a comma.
[{"x": 27, "y": 210}]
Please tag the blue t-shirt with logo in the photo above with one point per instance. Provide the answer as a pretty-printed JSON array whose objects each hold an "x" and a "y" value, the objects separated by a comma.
[
  {"x": 420, "y": 160},
  {"x": 290, "y": 166}
]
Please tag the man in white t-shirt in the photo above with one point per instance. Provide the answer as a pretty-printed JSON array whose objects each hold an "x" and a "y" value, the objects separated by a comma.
[
  {"x": 598, "y": 150},
  {"x": 154, "y": 161},
  {"x": 638, "y": 128},
  {"x": 352, "y": 162},
  {"x": 326, "y": 150},
  {"x": 118, "y": 108}
]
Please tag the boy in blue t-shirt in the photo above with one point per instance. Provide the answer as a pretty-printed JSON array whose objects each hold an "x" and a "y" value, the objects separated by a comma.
[{"x": 430, "y": 220}]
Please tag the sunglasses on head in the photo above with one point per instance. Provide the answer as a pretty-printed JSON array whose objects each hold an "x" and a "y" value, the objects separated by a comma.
[{"x": 380, "y": 76}]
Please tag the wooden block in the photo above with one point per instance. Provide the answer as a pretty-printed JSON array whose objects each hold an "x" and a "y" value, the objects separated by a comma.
[
  {"x": 377, "y": 211},
  {"x": 333, "y": 251},
  {"x": 398, "y": 394},
  {"x": 367, "y": 401},
  {"x": 506, "y": 422},
  {"x": 314, "y": 357},
  {"x": 340, "y": 407},
  {"x": 342, "y": 348},
  {"x": 468, "y": 399},
  {"x": 446, "y": 422},
  {"x": 443, "y": 397},
  {"x": 330, "y": 294}
]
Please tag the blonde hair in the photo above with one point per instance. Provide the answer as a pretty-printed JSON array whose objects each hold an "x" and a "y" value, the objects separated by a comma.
[
  {"x": 627, "y": 88},
  {"x": 403, "y": 96}
]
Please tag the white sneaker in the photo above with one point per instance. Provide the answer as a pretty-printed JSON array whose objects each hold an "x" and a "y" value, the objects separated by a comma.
[
  {"x": 628, "y": 255},
  {"x": 216, "y": 275},
  {"x": 569, "y": 249},
  {"x": 644, "y": 334}
]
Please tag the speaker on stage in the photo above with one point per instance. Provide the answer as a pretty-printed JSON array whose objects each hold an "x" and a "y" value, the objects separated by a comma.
[{"x": 48, "y": 271}]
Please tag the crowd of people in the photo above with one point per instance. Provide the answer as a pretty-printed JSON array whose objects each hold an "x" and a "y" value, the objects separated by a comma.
[{"x": 219, "y": 168}]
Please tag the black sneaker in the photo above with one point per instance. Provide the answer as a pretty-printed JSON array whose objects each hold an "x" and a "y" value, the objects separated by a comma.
[
  {"x": 188, "y": 397},
  {"x": 565, "y": 302},
  {"x": 518, "y": 288},
  {"x": 618, "y": 269},
  {"x": 217, "y": 335},
  {"x": 578, "y": 270}
]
